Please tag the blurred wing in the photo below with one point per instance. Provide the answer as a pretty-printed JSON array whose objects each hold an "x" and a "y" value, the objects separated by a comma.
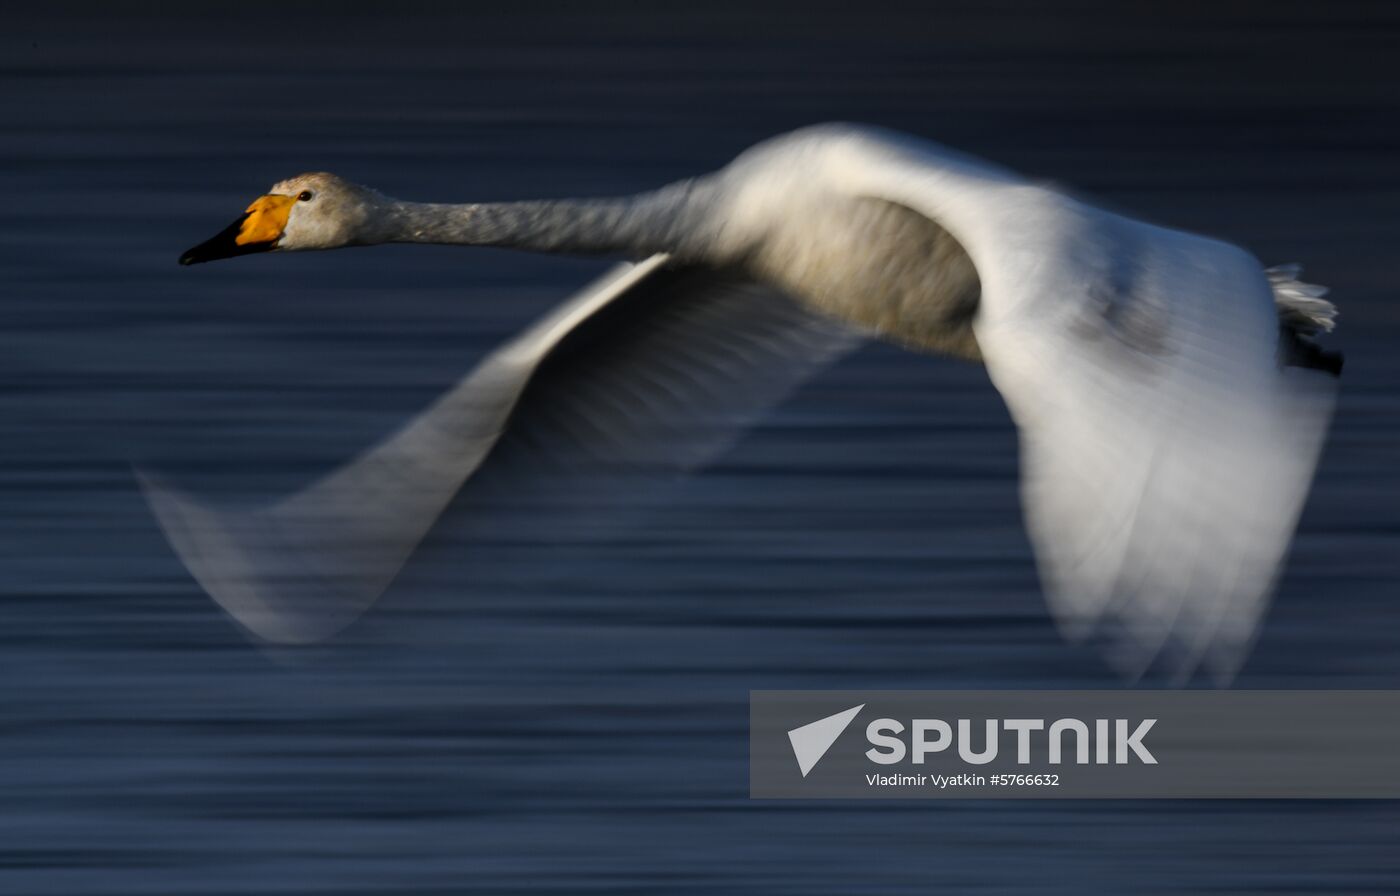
[
  {"x": 654, "y": 366},
  {"x": 1165, "y": 452},
  {"x": 1166, "y": 455}
]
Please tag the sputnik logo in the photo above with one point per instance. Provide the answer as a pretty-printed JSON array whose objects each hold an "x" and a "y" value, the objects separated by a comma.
[{"x": 811, "y": 741}]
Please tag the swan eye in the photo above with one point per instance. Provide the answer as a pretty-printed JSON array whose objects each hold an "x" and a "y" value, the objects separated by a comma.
[{"x": 304, "y": 196}]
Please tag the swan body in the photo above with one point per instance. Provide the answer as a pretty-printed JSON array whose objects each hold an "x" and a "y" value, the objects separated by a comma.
[{"x": 1170, "y": 398}]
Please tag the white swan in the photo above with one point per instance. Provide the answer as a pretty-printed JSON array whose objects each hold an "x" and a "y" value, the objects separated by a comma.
[{"x": 1170, "y": 401}]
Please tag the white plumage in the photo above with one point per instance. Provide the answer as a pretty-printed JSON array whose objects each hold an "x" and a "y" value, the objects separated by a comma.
[{"x": 1170, "y": 404}]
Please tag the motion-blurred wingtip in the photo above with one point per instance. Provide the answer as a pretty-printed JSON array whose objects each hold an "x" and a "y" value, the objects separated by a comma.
[{"x": 206, "y": 542}]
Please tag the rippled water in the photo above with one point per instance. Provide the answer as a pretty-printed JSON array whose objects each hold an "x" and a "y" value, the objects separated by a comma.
[{"x": 567, "y": 713}]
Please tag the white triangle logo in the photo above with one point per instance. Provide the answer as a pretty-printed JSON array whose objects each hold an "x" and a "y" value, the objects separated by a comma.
[{"x": 811, "y": 741}]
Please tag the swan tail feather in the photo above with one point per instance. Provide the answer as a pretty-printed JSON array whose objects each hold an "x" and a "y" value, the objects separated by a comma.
[{"x": 1303, "y": 314}]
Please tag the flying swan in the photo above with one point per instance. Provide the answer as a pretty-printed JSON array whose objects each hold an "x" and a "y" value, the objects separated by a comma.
[{"x": 1170, "y": 399}]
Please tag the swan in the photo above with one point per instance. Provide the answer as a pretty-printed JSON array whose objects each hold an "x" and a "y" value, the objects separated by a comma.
[{"x": 1170, "y": 397}]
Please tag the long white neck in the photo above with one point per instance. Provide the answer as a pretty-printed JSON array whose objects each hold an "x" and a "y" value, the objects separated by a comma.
[{"x": 640, "y": 225}]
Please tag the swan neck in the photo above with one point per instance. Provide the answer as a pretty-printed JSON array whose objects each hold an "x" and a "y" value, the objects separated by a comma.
[{"x": 634, "y": 225}]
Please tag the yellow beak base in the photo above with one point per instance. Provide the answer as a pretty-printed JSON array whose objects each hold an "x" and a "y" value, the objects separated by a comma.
[
  {"x": 267, "y": 218},
  {"x": 257, "y": 231}
]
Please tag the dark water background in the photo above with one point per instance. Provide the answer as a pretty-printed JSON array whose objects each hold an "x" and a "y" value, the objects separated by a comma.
[{"x": 569, "y": 714}]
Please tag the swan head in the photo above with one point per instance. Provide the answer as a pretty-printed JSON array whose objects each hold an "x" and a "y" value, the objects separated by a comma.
[{"x": 309, "y": 211}]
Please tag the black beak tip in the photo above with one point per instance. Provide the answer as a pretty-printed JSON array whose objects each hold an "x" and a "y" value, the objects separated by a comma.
[{"x": 224, "y": 244}]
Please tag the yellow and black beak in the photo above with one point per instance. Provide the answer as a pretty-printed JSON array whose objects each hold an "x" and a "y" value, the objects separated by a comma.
[{"x": 257, "y": 231}]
